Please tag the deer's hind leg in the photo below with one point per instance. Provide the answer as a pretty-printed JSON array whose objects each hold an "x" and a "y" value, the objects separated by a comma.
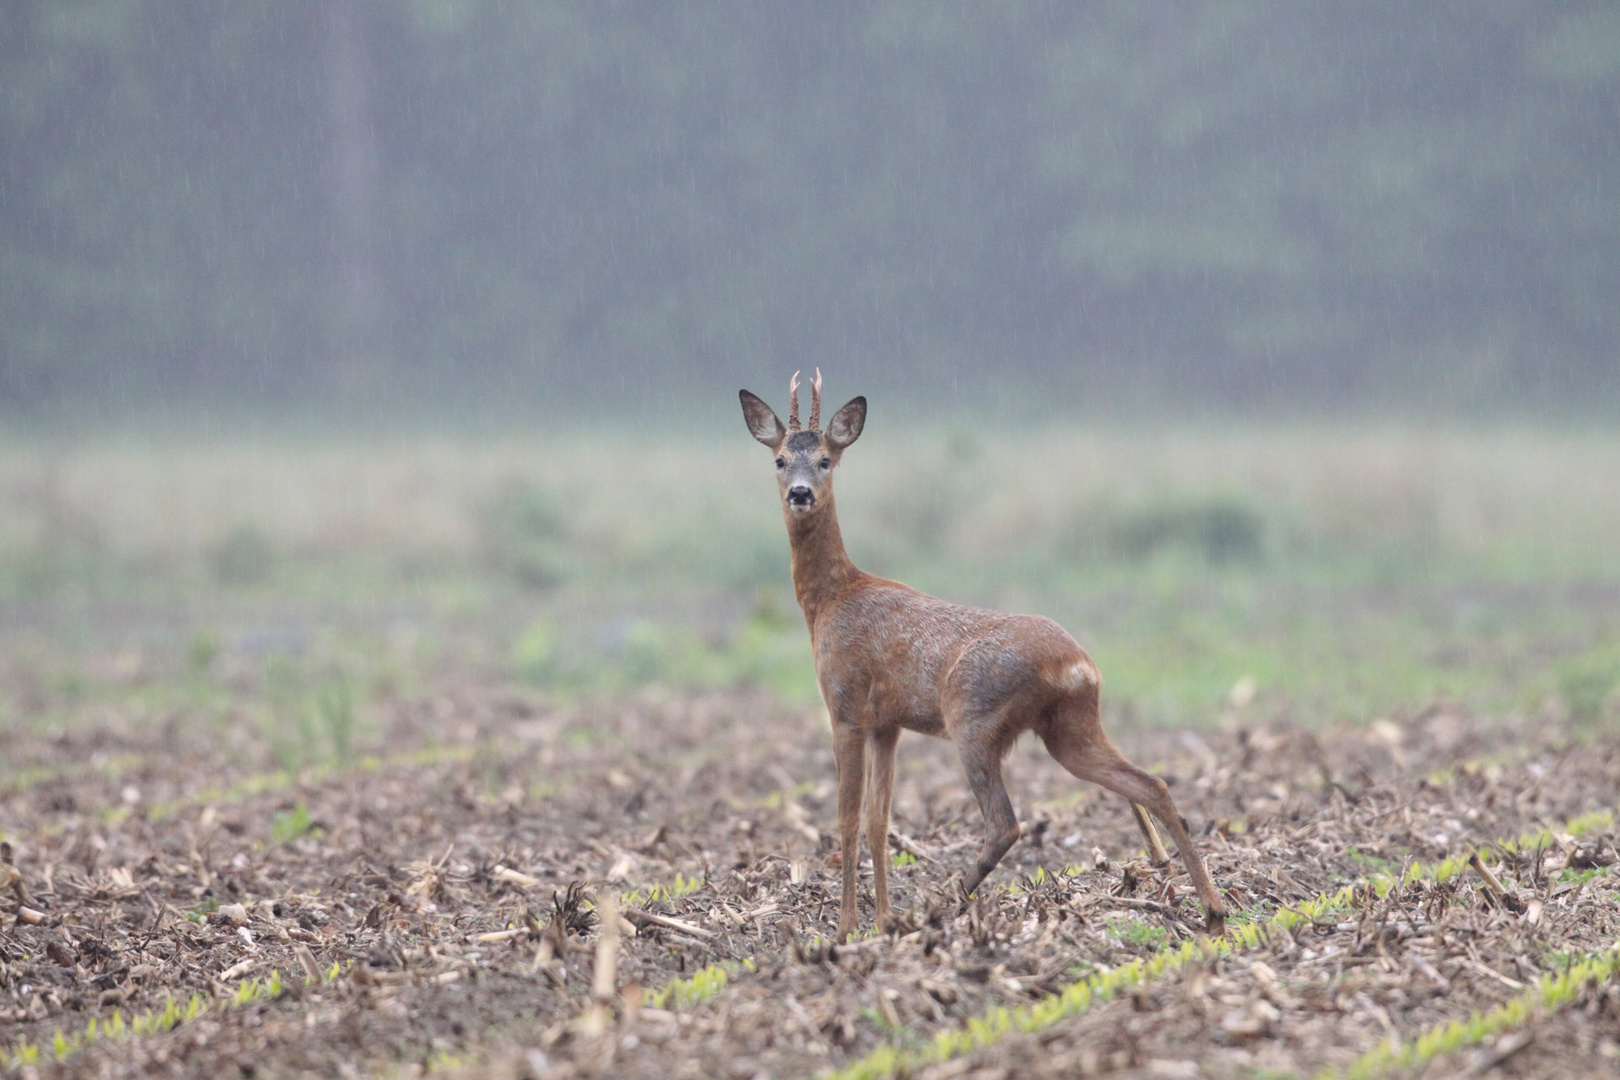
[
  {"x": 1074, "y": 736},
  {"x": 981, "y": 759},
  {"x": 880, "y": 791}
]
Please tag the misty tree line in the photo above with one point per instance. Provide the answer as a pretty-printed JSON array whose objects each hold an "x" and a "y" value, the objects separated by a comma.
[{"x": 1228, "y": 199}]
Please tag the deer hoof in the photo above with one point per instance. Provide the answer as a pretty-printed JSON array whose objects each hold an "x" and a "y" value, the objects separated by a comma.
[{"x": 954, "y": 897}]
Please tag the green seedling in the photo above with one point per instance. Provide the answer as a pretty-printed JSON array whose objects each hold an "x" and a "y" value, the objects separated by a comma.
[
  {"x": 1141, "y": 934},
  {"x": 1369, "y": 862},
  {"x": 1580, "y": 877},
  {"x": 204, "y": 909},
  {"x": 681, "y": 886},
  {"x": 334, "y": 705},
  {"x": 1241, "y": 935},
  {"x": 1546, "y": 997},
  {"x": 289, "y": 825},
  {"x": 892, "y": 1030},
  {"x": 703, "y": 984},
  {"x": 64, "y": 1045}
]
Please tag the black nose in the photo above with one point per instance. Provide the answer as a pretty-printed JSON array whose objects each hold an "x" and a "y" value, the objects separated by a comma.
[{"x": 801, "y": 495}]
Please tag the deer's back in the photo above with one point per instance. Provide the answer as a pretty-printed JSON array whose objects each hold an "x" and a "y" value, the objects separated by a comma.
[{"x": 890, "y": 654}]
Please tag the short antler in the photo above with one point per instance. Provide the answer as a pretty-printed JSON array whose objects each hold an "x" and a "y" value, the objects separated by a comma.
[
  {"x": 815, "y": 402},
  {"x": 793, "y": 403}
]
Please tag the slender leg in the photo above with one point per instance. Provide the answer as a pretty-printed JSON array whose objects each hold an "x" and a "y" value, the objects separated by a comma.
[
  {"x": 1156, "y": 850},
  {"x": 983, "y": 765},
  {"x": 1087, "y": 753},
  {"x": 881, "y": 743},
  {"x": 849, "y": 747}
]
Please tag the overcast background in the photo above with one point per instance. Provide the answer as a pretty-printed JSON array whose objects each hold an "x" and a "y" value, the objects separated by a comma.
[{"x": 1048, "y": 206}]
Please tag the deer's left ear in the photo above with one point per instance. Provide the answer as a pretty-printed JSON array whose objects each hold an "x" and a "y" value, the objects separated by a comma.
[
  {"x": 761, "y": 419},
  {"x": 847, "y": 423}
]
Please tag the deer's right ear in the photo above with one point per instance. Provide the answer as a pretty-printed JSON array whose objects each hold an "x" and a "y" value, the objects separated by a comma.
[{"x": 762, "y": 421}]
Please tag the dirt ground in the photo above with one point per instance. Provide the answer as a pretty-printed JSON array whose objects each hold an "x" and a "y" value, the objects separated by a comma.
[{"x": 411, "y": 910}]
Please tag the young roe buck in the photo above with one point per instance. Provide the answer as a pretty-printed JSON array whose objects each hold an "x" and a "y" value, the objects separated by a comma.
[{"x": 889, "y": 658}]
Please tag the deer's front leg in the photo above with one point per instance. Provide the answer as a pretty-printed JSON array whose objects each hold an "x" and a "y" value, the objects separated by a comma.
[
  {"x": 882, "y": 741},
  {"x": 849, "y": 747}
]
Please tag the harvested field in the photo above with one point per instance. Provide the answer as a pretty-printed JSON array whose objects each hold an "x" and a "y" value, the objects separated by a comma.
[{"x": 433, "y": 907}]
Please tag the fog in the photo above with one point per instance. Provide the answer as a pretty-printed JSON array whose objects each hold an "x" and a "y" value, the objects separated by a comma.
[
  {"x": 1249, "y": 340},
  {"x": 1037, "y": 208}
]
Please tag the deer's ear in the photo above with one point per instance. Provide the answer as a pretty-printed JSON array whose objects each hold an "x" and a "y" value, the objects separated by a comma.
[
  {"x": 762, "y": 421},
  {"x": 846, "y": 423}
]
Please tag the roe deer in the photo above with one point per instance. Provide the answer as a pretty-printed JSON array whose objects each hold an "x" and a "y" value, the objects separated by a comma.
[{"x": 889, "y": 657}]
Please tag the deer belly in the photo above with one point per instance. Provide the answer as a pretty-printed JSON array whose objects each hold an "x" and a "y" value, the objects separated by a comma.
[{"x": 924, "y": 724}]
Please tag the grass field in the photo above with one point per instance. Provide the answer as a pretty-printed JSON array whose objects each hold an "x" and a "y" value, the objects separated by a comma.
[
  {"x": 304, "y": 734},
  {"x": 1347, "y": 572}
]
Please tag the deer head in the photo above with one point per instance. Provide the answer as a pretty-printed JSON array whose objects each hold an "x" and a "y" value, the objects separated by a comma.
[{"x": 805, "y": 458}]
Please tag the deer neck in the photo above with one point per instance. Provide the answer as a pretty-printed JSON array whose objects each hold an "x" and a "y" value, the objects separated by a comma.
[{"x": 821, "y": 566}]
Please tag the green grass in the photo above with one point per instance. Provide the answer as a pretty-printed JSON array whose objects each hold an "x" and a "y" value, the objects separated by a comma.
[
  {"x": 700, "y": 986},
  {"x": 765, "y": 650},
  {"x": 1581, "y": 877},
  {"x": 1370, "y": 862},
  {"x": 674, "y": 890},
  {"x": 1141, "y": 934},
  {"x": 1349, "y": 572}
]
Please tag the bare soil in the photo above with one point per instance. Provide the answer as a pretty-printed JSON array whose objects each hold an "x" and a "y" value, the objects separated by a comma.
[{"x": 415, "y": 902}]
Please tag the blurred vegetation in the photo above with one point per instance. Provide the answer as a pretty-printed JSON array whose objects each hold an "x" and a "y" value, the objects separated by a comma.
[
  {"x": 767, "y": 649},
  {"x": 524, "y": 535},
  {"x": 1237, "y": 201},
  {"x": 289, "y": 590},
  {"x": 1220, "y": 531},
  {"x": 243, "y": 556},
  {"x": 310, "y": 718},
  {"x": 1589, "y": 685}
]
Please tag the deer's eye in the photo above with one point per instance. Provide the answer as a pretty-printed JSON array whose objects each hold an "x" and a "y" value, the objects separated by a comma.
[
  {"x": 826, "y": 463},
  {"x": 781, "y": 463}
]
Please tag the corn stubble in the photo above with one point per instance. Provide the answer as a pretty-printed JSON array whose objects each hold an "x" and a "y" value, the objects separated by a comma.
[{"x": 441, "y": 916}]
